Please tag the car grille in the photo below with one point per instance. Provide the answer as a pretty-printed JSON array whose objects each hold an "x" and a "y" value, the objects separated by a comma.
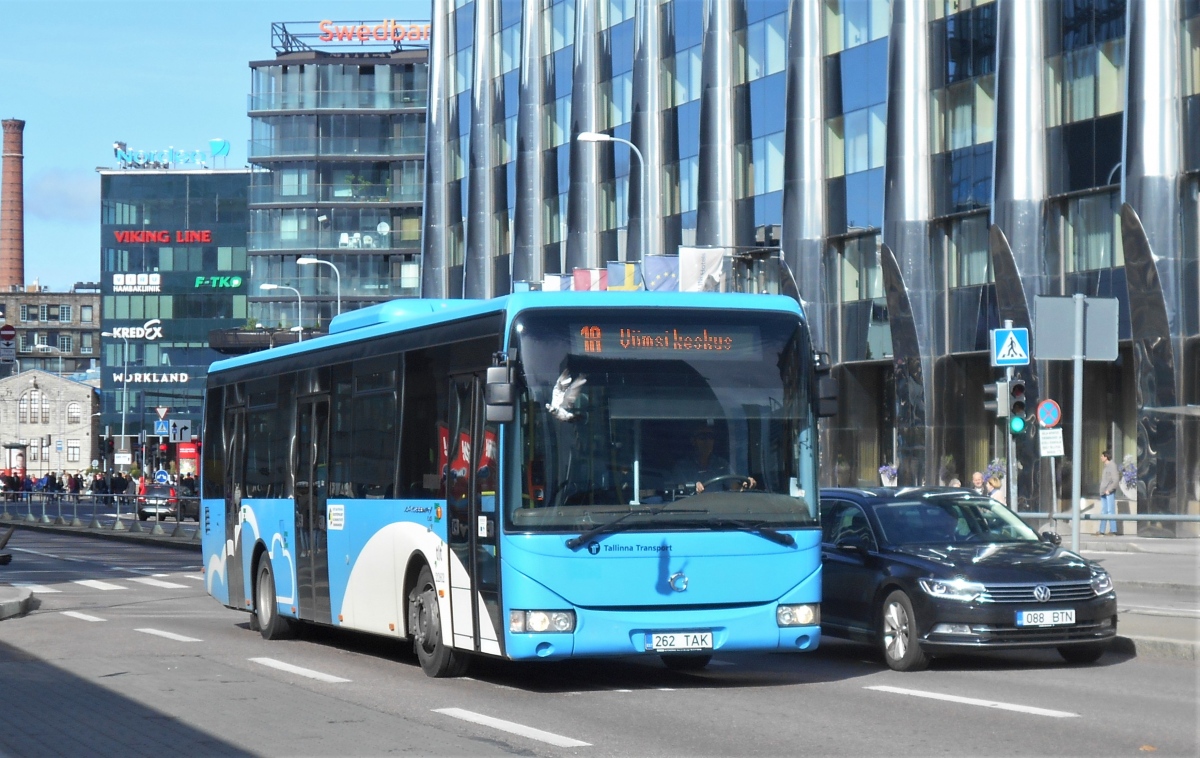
[
  {"x": 1023, "y": 593},
  {"x": 1029, "y": 635}
]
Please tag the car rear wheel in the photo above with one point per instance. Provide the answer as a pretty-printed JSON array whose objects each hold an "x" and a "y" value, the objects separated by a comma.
[
  {"x": 1089, "y": 652},
  {"x": 898, "y": 634},
  {"x": 693, "y": 662}
]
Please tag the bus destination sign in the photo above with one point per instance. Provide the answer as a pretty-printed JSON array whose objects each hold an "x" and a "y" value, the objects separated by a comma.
[{"x": 659, "y": 342}]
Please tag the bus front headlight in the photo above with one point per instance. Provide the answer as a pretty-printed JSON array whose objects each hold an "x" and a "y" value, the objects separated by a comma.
[
  {"x": 520, "y": 622},
  {"x": 798, "y": 615}
]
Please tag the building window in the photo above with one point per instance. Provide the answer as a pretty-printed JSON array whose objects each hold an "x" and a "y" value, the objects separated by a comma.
[
  {"x": 23, "y": 410},
  {"x": 861, "y": 276},
  {"x": 1085, "y": 83},
  {"x": 1191, "y": 56},
  {"x": 74, "y": 414},
  {"x": 849, "y": 23},
  {"x": 33, "y": 450},
  {"x": 85, "y": 314},
  {"x": 24, "y": 343},
  {"x": 72, "y": 451},
  {"x": 43, "y": 312},
  {"x": 964, "y": 114},
  {"x": 45, "y": 409},
  {"x": 1089, "y": 232},
  {"x": 66, "y": 343},
  {"x": 64, "y": 314},
  {"x": 27, "y": 312},
  {"x": 967, "y": 255},
  {"x": 85, "y": 344}
]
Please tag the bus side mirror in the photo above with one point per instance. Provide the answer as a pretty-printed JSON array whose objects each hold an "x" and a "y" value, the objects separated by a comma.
[
  {"x": 827, "y": 387},
  {"x": 498, "y": 395}
]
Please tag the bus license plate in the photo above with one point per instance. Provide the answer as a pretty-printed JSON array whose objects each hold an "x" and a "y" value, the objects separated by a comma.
[
  {"x": 1045, "y": 618},
  {"x": 679, "y": 641}
]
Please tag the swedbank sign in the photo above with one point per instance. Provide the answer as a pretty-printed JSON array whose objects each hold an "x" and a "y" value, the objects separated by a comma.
[{"x": 386, "y": 31}]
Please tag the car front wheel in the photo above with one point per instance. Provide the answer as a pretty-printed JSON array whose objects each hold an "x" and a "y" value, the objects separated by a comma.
[{"x": 898, "y": 634}]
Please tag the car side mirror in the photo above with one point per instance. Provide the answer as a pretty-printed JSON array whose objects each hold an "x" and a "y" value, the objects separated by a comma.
[
  {"x": 1051, "y": 537},
  {"x": 853, "y": 543}
]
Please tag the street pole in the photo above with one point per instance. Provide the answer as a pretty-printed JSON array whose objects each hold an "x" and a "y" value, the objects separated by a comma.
[
  {"x": 1077, "y": 419},
  {"x": 1011, "y": 447}
]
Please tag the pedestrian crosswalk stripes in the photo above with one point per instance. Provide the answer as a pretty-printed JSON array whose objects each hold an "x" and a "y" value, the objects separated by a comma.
[
  {"x": 99, "y": 585},
  {"x": 125, "y": 583},
  {"x": 158, "y": 583}
]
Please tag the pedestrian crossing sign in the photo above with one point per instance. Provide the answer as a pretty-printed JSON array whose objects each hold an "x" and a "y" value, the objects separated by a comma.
[
  {"x": 162, "y": 428},
  {"x": 1010, "y": 347}
]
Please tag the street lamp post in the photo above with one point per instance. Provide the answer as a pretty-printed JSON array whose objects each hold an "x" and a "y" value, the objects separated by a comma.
[
  {"x": 48, "y": 348},
  {"x": 299, "y": 306},
  {"x": 602, "y": 137},
  {"x": 308, "y": 261},
  {"x": 125, "y": 385}
]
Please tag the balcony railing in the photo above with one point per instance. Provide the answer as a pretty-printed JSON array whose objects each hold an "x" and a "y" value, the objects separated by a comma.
[
  {"x": 357, "y": 147},
  {"x": 338, "y": 193},
  {"x": 338, "y": 100},
  {"x": 330, "y": 240}
]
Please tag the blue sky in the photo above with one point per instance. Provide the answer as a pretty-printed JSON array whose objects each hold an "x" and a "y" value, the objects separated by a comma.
[{"x": 154, "y": 74}]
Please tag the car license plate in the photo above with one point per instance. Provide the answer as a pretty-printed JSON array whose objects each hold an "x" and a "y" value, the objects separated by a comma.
[
  {"x": 1045, "y": 618},
  {"x": 679, "y": 641}
]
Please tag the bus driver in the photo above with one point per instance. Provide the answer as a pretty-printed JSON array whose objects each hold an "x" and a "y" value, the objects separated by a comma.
[{"x": 703, "y": 465}]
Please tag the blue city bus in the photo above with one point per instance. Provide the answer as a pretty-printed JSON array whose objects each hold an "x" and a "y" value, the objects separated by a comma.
[{"x": 538, "y": 476}]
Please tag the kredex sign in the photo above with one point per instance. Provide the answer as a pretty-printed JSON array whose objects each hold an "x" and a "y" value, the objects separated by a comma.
[{"x": 151, "y": 330}]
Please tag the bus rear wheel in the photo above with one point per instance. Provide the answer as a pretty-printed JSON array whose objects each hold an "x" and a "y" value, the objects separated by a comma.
[
  {"x": 270, "y": 624},
  {"x": 425, "y": 625}
]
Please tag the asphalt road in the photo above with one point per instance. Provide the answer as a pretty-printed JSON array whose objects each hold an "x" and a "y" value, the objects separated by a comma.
[{"x": 126, "y": 654}]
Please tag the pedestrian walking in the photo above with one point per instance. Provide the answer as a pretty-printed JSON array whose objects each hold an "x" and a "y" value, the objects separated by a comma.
[{"x": 1109, "y": 478}]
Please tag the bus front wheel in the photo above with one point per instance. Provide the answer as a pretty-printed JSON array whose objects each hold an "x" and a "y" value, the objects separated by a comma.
[{"x": 425, "y": 625}]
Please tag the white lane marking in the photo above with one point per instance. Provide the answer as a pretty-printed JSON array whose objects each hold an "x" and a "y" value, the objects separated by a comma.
[
  {"x": 975, "y": 701},
  {"x": 193, "y": 576},
  {"x": 35, "y": 587},
  {"x": 511, "y": 727},
  {"x": 81, "y": 616},
  {"x": 96, "y": 584},
  {"x": 157, "y": 583},
  {"x": 49, "y": 555},
  {"x": 168, "y": 635},
  {"x": 280, "y": 665},
  {"x": 1147, "y": 610}
]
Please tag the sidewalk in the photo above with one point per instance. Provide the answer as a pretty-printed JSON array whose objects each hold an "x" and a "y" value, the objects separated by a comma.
[{"x": 1158, "y": 585}]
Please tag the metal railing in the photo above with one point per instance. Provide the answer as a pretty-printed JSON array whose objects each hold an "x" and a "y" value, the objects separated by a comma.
[{"x": 126, "y": 512}]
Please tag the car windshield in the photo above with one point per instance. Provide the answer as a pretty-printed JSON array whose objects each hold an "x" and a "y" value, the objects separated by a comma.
[
  {"x": 950, "y": 520},
  {"x": 706, "y": 412}
]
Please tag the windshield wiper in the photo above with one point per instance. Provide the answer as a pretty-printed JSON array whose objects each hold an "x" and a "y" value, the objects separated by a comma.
[
  {"x": 612, "y": 526},
  {"x": 757, "y": 527}
]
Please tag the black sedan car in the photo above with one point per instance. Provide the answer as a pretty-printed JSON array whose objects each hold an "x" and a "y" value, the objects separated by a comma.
[{"x": 920, "y": 572}]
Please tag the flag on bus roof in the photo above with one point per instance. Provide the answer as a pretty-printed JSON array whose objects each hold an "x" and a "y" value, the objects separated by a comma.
[
  {"x": 662, "y": 273},
  {"x": 624, "y": 277},
  {"x": 591, "y": 279},
  {"x": 701, "y": 269},
  {"x": 557, "y": 283}
]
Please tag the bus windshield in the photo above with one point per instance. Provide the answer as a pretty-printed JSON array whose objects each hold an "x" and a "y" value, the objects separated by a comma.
[{"x": 668, "y": 418}]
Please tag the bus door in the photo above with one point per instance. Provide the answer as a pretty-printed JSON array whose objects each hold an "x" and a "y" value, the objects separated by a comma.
[
  {"x": 473, "y": 502},
  {"x": 235, "y": 463},
  {"x": 312, "y": 545}
]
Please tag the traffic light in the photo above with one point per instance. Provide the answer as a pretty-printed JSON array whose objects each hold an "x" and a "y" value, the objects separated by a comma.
[
  {"x": 995, "y": 399},
  {"x": 1016, "y": 400},
  {"x": 109, "y": 445}
]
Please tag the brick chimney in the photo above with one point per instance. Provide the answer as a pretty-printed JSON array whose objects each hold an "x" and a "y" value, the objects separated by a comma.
[{"x": 12, "y": 208}]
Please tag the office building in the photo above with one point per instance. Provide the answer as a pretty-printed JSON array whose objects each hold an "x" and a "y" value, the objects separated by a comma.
[
  {"x": 173, "y": 268},
  {"x": 337, "y": 124},
  {"x": 930, "y": 169}
]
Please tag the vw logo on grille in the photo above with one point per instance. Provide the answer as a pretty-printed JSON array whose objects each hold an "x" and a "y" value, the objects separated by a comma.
[
  {"x": 1041, "y": 593},
  {"x": 678, "y": 582}
]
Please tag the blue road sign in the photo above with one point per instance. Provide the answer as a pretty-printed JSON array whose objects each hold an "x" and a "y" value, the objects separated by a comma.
[
  {"x": 162, "y": 427},
  {"x": 1049, "y": 414},
  {"x": 1010, "y": 347},
  {"x": 161, "y": 477}
]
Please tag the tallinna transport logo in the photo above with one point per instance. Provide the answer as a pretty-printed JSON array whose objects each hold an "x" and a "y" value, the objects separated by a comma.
[{"x": 594, "y": 548}]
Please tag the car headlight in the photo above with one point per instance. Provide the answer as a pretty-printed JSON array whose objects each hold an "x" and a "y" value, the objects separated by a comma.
[
  {"x": 520, "y": 622},
  {"x": 798, "y": 615},
  {"x": 952, "y": 589},
  {"x": 1101, "y": 582}
]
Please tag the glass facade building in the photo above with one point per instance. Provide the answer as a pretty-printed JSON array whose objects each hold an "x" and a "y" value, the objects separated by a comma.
[
  {"x": 928, "y": 167},
  {"x": 173, "y": 268},
  {"x": 338, "y": 143}
]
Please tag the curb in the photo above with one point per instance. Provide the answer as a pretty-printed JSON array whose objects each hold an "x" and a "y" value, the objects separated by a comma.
[
  {"x": 1156, "y": 647},
  {"x": 1137, "y": 584},
  {"x": 175, "y": 543},
  {"x": 16, "y": 606}
]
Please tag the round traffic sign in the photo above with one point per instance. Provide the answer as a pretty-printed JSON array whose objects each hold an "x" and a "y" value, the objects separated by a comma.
[
  {"x": 8, "y": 332},
  {"x": 161, "y": 477},
  {"x": 1048, "y": 413}
]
